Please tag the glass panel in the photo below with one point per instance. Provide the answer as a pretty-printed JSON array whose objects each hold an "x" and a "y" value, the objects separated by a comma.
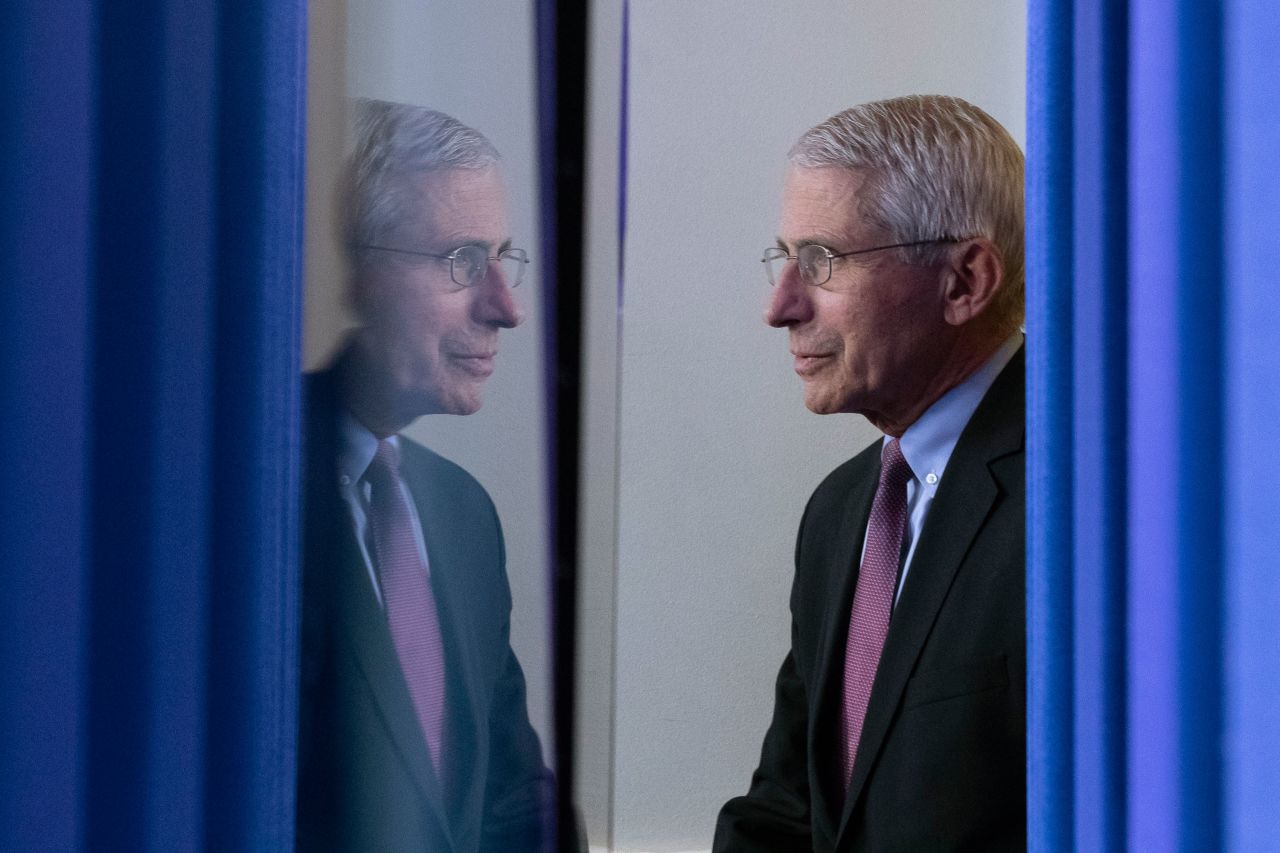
[{"x": 426, "y": 680}]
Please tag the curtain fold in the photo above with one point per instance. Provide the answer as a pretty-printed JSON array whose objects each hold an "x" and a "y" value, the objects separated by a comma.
[
  {"x": 150, "y": 252},
  {"x": 1153, "y": 549},
  {"x": 45, "y": 261},
  {"x": 1251, "y": 37},
  {"x": 1049, "y": 424}
]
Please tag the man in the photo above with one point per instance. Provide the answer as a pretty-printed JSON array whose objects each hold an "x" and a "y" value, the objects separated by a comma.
[
  {"x": 900, "y": 709},
  {"x": 414, "y": 732}
]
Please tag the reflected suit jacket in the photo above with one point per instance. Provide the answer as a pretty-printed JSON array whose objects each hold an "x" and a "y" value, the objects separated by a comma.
[
  {"x": 942, "y": 759},
  {"x": 365, "y": 777}
]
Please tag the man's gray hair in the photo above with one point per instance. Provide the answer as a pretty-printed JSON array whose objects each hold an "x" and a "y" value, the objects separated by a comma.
[
  {"x": 937, "y": 167},
  {"x": 394, "y": 143}
]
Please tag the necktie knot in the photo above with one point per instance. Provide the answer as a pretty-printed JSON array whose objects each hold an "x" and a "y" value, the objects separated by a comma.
[
  {"x": 895, "y": 473},
  {"x": 385, "y": 465}
]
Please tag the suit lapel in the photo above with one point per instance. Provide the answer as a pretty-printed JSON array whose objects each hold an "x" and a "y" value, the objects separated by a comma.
[
  {"x": 448, "y": 558},
  {"x": 960, "y": 509},
  {"x": 369, "y": 640},
  {"x": 828, "y": 701}
]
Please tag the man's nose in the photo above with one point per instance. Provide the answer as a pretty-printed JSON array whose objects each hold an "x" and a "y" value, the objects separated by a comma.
[
  {"x": 496, "y": 303},
  {"x": 790, "y": 300}
]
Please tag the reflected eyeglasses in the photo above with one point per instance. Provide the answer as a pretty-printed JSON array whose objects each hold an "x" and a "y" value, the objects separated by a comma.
[{"x": 469, "y": 265}]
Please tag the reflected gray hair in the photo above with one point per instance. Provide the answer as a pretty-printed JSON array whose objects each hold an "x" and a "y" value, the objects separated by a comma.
[
  {"x": 937, "y": 167},
  {"x": 394, "y": 143}
]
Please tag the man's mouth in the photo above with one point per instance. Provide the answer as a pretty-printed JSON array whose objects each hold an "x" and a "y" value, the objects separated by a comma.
[
  {"x": 476, "y": 363},
  {"x": 808, "y": 363}
]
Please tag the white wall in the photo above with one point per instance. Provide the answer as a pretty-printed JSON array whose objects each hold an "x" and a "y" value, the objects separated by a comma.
[{"x": 717, "y": 453}]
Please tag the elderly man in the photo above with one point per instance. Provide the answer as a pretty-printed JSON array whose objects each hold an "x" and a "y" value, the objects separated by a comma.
[
  {"x": 414, "y": 732},
  {"x": 900, "y": 710}
]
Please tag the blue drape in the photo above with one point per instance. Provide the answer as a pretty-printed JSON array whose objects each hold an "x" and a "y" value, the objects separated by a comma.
[
  {"x": 1154, "y": 371},
  {"x": 150, "y": 245}
]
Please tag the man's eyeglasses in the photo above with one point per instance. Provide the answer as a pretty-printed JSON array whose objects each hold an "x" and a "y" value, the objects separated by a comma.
[
  {"x": 815, "y": 260},
  {"x": 469, "y": 265}
]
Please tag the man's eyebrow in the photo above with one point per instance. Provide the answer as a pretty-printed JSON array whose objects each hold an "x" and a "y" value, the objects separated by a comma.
[
  {"x": 459, "y": 241},
  {"x": 800, "y": 244}
]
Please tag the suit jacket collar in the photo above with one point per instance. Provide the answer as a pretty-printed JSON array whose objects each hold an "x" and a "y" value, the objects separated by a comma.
[
  {"x": 928, "y": 443},
  {"x": 964, "y": 500}
]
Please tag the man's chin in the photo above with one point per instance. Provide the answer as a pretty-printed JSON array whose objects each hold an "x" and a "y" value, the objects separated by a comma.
[
  {"x": 818, "y": 402},
  {"x": 455, "y": 401},
  {"x": 458, "y": 406},
  {"x": 468, "y": 408},
  {"x": 464, "y": 401}
]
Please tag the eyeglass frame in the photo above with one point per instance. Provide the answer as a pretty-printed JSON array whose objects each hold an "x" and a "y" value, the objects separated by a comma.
[
  {"x": 831, "y": 256},
  {"x": 452, "y": 257}
]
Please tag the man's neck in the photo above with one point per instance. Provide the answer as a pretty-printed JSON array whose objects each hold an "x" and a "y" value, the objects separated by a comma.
[
  {"x": 368, "y": 394},
  {"x": 957, "y": 365}
]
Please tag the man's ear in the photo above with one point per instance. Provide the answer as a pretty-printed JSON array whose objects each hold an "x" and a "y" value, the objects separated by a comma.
[{"x": 973, "y": 279}]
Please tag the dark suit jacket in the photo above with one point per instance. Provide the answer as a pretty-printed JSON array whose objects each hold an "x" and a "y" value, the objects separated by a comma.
[
  {"x": 942, "y": 760},
  {"x": 365, "y": 779}
]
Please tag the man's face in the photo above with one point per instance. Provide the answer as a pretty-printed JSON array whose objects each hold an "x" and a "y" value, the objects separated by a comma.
[
  {"x": 868, "y": 340},
  {"x": 437, "y": 341}
]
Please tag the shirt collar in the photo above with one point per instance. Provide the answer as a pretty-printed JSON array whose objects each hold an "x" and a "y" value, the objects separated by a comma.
[
  {"x": 927, "y": 443},
  {"x": 356, "y": 448}
]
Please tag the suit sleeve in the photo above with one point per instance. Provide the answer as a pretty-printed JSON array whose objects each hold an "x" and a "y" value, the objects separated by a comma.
[
  {"x": 774, "y": 813},
  {"x": 519, "y": 789}
]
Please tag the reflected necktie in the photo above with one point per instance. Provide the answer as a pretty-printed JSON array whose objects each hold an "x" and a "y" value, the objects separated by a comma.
[
  {"x": 406, "y": 592},
  {"x": 873, "y": 596}
]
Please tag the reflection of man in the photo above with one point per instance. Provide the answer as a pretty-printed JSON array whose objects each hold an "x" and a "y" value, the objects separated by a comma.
[
  {"x": 900, "y": 709},
  {"x": 414, "y": 732}
]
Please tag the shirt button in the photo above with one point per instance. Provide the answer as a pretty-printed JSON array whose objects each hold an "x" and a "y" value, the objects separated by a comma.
[
  {"x": 931, "y": 478},
  {"x": 344, "y": 480}
]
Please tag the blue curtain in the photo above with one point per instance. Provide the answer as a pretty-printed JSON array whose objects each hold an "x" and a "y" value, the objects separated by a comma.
[
  {"x": 1154, "y": 377},
  {"x": 150, "y": 245}
]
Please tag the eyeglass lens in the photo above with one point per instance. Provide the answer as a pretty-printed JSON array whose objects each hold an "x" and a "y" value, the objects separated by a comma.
[
  {"x": 470, "y": 265},
  {"x": 815, "y": 264}
]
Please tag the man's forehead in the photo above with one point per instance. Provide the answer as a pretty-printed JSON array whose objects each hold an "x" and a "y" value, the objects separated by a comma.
[
  {"x": 462, "y": 206},
  {"x": 461, "y": 191},
  {"x": 822, "y": 205}
]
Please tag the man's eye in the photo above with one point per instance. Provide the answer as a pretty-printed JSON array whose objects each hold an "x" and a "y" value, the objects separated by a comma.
[{"x": 468, "y": 262}]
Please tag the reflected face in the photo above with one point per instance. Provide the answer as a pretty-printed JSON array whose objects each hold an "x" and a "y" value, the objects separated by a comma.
[
  {"x": 867, "y": 341},
  {"x": 437, "y": 341}
]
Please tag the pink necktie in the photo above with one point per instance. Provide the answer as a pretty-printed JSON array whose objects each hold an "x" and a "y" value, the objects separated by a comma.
[
  {"x": 873, "y": 596},
  {"x": 406, "y": 592}
]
